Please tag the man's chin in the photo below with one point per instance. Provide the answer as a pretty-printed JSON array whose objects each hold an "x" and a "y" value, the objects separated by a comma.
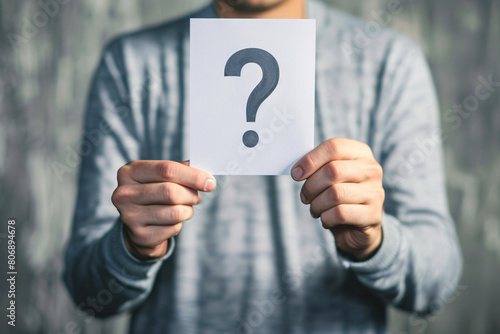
[{"x": 254, "y": 6}]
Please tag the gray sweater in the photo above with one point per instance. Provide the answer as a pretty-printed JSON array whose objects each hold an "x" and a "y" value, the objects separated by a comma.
[{"x": 252, "y": 259}]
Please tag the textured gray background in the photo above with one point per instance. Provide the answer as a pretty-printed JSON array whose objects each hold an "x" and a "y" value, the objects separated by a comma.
[{"x": 43, "y": 85}]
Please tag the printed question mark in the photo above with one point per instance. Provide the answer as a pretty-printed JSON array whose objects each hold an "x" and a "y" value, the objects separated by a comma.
[{"x": 270, "y": 78}]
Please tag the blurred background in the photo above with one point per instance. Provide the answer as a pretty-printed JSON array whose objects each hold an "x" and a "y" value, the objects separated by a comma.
[{"x": 44, "y": 80}]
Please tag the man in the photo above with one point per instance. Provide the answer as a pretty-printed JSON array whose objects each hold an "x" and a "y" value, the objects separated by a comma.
[{"x": 362, "y": 222}]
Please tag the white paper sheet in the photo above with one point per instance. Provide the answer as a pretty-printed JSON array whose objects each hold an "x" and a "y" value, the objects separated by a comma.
[{"x": 284, "y": 121}]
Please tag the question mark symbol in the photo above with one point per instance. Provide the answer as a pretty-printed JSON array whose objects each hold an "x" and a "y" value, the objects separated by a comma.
[{"x": 270, "y": 78}]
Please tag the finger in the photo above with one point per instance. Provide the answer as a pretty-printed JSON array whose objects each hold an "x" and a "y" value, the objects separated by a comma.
[
  {"x": 164, "y": 193},
  {"x": 145, "y": 215},
  {"x": 165, "y": 214},
  {"x": 149, "y": 237},
  {"x": 350, "y": 214},
  {"x": 332, "y": 149},
  {"x": 148, "y": 171},
  {"x": 340, "y": 193},
  {"x": 332, "y": 172}
]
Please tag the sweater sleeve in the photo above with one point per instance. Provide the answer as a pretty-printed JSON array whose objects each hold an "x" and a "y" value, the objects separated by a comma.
[
  {"x": 418, "y": 265},
  {"x": 101, "y": 275}
]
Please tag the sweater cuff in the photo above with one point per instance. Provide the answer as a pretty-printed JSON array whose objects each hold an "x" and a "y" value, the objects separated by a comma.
[
  {"x": 118, "y": 256},
  {"x": 387, "y": 252}
]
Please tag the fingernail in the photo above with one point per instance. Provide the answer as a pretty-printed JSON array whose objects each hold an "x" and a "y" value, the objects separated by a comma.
[
  {"x": 302, "y": 198},
  {"x": 209, "y": 185},
  {"x": 297, "y": 173}
]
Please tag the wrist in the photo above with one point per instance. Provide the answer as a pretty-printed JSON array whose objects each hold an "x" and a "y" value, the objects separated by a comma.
[
  {"x": 135, "y": 250},
  {"x": 364, "y": 254}
]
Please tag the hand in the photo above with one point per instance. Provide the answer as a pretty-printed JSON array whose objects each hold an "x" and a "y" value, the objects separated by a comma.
[
  {"x": 154, "y": 198},
  {"x": 344, "y": 188}
]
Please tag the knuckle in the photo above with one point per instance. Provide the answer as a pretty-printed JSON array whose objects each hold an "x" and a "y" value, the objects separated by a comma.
[
  {"x": 375, "y": 170},
  {"x": 378, "y": 170},
  {"x": 378, "y": 214},
  {"x": 168, "y": 193},
  {"x": 313, "y": 211},
  {"x": 176, "y": 214},
  {"x": 120, "y": 196},
  {"x": 140, "y": 235},
  {"x": 334, "y": 170},
  {"x": 189, "y": 213},
  {"x": 334, "y": 144},
  {"x": 127, "y": 217},
  {"x": 167, "y": 170},
  {"x": 115, "y": 197},
  {"x": 324, "y": 221},
  {"x": 175, "y": 229},
  {"x": 338, "y": 193},
  {"x": 123, "y": 173},
  {"x": 161, "y": 215},
  {"x": 364, "y": 150},
  {"x": 308, "y": 163},
  {"x": 380, "y": 194},
  {"x": 340, "y": 213},
  {"x": 306, "y": 189}
]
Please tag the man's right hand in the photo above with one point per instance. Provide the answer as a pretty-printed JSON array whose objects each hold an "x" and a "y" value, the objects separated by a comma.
[{"x": 154, "y": 197}]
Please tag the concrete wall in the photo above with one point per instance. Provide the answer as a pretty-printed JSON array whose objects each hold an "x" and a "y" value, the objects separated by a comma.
[{"x": 44, "y": 83}]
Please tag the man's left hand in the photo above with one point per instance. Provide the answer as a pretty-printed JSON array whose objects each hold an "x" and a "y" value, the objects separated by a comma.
[{"x": 344, "y": 188}]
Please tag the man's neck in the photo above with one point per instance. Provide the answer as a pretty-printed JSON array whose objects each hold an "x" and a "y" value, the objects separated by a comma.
[{"x": 291, "y": 9}]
